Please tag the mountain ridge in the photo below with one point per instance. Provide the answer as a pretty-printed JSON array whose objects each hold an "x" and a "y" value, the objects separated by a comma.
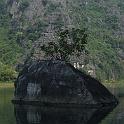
[{"x": 36, "y": 21}]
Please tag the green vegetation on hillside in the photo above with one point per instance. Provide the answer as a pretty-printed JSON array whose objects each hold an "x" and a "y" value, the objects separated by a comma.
[
  {"x": 104, "y": 24},
  {"x": 9, "y": 49},
  {"x": 103, "y": 19}
]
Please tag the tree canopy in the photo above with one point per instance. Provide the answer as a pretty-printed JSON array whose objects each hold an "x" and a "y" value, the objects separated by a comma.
[{"x": 69, "y": 42}]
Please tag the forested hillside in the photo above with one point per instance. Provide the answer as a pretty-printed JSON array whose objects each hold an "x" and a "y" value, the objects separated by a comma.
[
  {"x": 26, "y": 24},
  {"x": 10, "y": 51}
]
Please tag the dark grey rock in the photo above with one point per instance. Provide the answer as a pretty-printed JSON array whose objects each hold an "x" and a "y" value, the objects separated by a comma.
[{"x": 59, "y": 83}]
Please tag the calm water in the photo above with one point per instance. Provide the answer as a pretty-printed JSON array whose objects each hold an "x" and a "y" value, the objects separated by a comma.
[{"x": 10, "y": 114}]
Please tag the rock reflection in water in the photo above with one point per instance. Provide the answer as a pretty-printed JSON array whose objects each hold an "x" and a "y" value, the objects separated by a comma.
[{"x": 44, "y": 115}]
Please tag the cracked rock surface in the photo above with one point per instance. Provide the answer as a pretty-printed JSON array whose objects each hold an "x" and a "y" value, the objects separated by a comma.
[{"x": 59, "y": 82}]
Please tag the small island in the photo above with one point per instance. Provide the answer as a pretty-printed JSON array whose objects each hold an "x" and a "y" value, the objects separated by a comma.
[
  {"x": 55, "y": 82},
  {"x": 58, "y": 83}
]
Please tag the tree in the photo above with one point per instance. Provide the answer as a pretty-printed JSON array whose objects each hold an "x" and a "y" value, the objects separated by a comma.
[
  {"x": 7, "y": 73},
  {"x": 69, "y": 42},
  {"x": 23, "y": 5}
]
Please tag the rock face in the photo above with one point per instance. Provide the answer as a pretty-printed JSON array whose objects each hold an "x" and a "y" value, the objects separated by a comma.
[
  {"x": 42, "y": 19},
  {"x": 56, "y": 82}
]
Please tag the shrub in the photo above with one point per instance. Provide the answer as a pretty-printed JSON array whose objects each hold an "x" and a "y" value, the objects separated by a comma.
[
  {"x": 69, "y": 42},
  {"x": 7, "y": 73}
]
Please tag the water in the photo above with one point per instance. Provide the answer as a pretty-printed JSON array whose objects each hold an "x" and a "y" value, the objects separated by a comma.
[
  {"x": 6, "y": 108},
  {"x": 10, "y": 114}
]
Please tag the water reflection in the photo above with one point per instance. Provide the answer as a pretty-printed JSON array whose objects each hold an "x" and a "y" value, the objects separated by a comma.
[{"x": 38, "y": 115}]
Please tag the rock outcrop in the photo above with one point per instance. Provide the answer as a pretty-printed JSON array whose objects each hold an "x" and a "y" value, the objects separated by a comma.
[{"x": 59, "y": 83}]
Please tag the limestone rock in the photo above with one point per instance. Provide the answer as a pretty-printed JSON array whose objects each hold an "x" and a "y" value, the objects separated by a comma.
[{"x": 58, "y": 82}]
